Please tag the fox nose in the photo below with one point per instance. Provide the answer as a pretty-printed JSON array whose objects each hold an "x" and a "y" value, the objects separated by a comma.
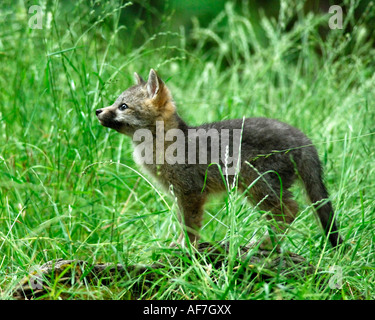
[{"x": 98, "y": 111}]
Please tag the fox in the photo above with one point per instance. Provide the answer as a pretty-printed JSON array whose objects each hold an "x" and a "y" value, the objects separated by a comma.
[{"x": 272, "y": 156}]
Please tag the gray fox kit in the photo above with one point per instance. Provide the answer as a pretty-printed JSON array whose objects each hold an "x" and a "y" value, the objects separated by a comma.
[{"x": 272, "y": 155}]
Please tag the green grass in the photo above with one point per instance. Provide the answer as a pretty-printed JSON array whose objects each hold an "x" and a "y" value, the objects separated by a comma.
[{"x": 70, "y": 189}]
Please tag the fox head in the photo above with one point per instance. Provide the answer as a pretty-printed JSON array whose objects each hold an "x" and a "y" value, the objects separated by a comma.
[{"x": 139, "y": 107}]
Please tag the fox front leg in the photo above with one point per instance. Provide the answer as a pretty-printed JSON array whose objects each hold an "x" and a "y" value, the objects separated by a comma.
[{"x": 191, "y": 215}]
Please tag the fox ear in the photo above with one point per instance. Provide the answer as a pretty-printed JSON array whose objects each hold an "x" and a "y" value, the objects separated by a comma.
[
  {"x": 154, "y": 84},
  {"x": 138, "y": 78}
]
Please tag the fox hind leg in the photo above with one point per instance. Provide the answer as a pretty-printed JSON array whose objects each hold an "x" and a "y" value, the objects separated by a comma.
[{"x": 280, "y": 208}]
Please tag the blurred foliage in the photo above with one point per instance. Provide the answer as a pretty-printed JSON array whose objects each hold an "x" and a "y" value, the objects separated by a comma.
[
  {"x": 145, "y": 18},
  {"x": 184, "y": 14}
]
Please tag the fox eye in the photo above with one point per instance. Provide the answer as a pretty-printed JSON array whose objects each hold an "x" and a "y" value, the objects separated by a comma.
[{"x": 123, "y": 106}]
